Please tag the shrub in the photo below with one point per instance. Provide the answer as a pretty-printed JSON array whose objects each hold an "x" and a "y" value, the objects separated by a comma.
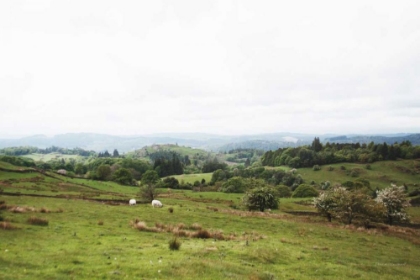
[
  {"x": 38, "y": 221},
  {"x": 174, "y": 244},
  {"x": 261, "y": 199},
  {"x": 100, "y": 223},
  {"x": 171, "y": 210},
  {"x": 368, "y": 167},
  {"x": 342, "y": 167},
  {"x": 316, "y": 167},
  {"x": 202, "y": 233},
  {"x": 305, "y": 191},
  {"x": 330, "y": 168},
  {"x": 284, "y": 191}
]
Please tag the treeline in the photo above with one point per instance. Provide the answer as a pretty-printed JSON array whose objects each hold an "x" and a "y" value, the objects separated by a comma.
[
  {"x": 26, "y": 150},
  {"x": 319, "y": 154}
]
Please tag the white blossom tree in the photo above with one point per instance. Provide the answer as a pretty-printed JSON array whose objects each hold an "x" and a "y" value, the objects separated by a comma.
[{"x": 394, "y": 201}]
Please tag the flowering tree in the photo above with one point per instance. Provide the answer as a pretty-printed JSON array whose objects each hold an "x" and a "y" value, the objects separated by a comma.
[{"x": 394, "y": 202}]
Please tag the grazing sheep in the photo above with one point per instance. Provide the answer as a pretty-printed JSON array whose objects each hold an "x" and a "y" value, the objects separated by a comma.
[
  {"x": 156, "y": 203},
  {"x": 132, "y": 202}
]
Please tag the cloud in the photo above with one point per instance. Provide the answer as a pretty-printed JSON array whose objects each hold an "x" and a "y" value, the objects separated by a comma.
[{"x": 209, "y": 66}]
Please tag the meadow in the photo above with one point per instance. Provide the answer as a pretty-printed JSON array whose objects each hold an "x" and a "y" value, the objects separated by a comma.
[{"x": 92, "y": 233}]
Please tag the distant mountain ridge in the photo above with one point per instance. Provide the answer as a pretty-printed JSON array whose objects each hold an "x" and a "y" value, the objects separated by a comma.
[{"x": 214, "y": 142}]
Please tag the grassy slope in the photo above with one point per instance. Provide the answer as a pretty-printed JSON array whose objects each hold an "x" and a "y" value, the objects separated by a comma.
[
  {"x": 191, "y": 178},
  {"x": 74, "y": 245},
  {"x": 381, "y": 175}
]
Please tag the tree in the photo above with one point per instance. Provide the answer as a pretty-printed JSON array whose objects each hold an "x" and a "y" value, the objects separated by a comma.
[
  {"x": 394, "y": 201},
  {"x": 234, "y": 185},
  {"x": 150, "y": 177},
  {"x": 115, "y": 153},
  {"x": 103, "y": 172},
  {"x": 123, "y": 176},
  {"x": 316, "y": 145},
  {"x": 325, "y": 203},
  {"x": 305, "y": 191},
  {"x": 148, "y": 189},
  {"x": 261, "y": 199}
]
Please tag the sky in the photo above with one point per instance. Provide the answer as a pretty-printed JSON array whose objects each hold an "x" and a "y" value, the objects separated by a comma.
[{"x": 221, "y": 67}]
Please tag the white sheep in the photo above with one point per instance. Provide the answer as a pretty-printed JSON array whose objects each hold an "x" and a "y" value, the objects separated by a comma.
[
  {"x": 156, "y": 203},
  {"x": 132, "y": 202}
]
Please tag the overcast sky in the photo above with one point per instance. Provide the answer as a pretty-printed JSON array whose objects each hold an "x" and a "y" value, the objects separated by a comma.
[{"x": 225, "y": 67}]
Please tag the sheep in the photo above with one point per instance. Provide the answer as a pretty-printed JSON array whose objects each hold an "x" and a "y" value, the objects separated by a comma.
[
  {"x": 156, "y": 203},
  {"x": 132, "y": 202}
]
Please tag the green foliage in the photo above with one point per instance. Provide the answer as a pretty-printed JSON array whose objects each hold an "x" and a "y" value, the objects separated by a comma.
[
  {"x": 305, "y": 190},
  {"x": 261, "y": 199},
  {"x": 234, "y": 185},
  {"x": 123, "y": 176},
  {"x": 148, "y": 192},
  {"x": 170, "y": 182},
  {"x": 316, "y": 167},
  {"x": 150, "y": 177},
  {"x": 18, "y": 161},
  {"x": 283, "y": 191},
  {"x": 213, "y": 165},
  {"x": 103, "y": 172}
]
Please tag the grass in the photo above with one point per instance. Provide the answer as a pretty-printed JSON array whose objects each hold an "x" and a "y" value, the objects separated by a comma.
[
  {"x": 191, "y": 178},
  {"x": 381, "y": 175},
  {"x": 88, "y": 239}
]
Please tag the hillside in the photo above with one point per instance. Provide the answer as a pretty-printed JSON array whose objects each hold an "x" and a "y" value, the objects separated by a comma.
[{"x": 86, "y": 229}]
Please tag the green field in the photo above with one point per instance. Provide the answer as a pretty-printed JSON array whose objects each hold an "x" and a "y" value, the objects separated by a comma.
[
  {"x": 90, "y": 235},
  {"x": 381, "y": 174},
  {"x": 191, "y": 178}
]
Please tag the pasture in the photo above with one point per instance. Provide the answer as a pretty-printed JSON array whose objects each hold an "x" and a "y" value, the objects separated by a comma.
[
  {"x": 191, "y": 178},
  {"x": 92, "y": 233}
]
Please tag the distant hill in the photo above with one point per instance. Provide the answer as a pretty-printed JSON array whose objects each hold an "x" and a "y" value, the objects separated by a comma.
[
  {"x": 210, "y": 142},
  {"x": 413, "y": 138}
]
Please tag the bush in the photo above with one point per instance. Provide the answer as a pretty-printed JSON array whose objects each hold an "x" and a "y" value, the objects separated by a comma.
[
  {"x": 261, "y": 199},
  {"x": 284, "y": 191},
  {"x": 316, "y": 167},
  {"x": 202, "y": 233},
  {"x": 171, "y": 210},
  {"x": 305, "y": 191},
  {"x": 330, "y": 168},
  {"x": 234, "y": 185},
  {"x": 368, "y": 167},
  {"x": 342, "y": 167},
  {"x": 174, "y": 244}
]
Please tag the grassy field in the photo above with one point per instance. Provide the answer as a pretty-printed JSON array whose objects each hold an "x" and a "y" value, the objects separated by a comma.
[
  {"x": 191, "y": 178},
  {"x": 381, "y": 174},
  {"x": 88, "y": 239}
]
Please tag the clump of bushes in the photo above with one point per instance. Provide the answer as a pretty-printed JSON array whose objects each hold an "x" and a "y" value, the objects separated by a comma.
[
  {"x": 174, "y": 244},
  {"x": 38, "y": 221},
  {"x": 316, "y": 167},
  {"x": 330, "y": 168},
  {"x": 305, "y": 190}
]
